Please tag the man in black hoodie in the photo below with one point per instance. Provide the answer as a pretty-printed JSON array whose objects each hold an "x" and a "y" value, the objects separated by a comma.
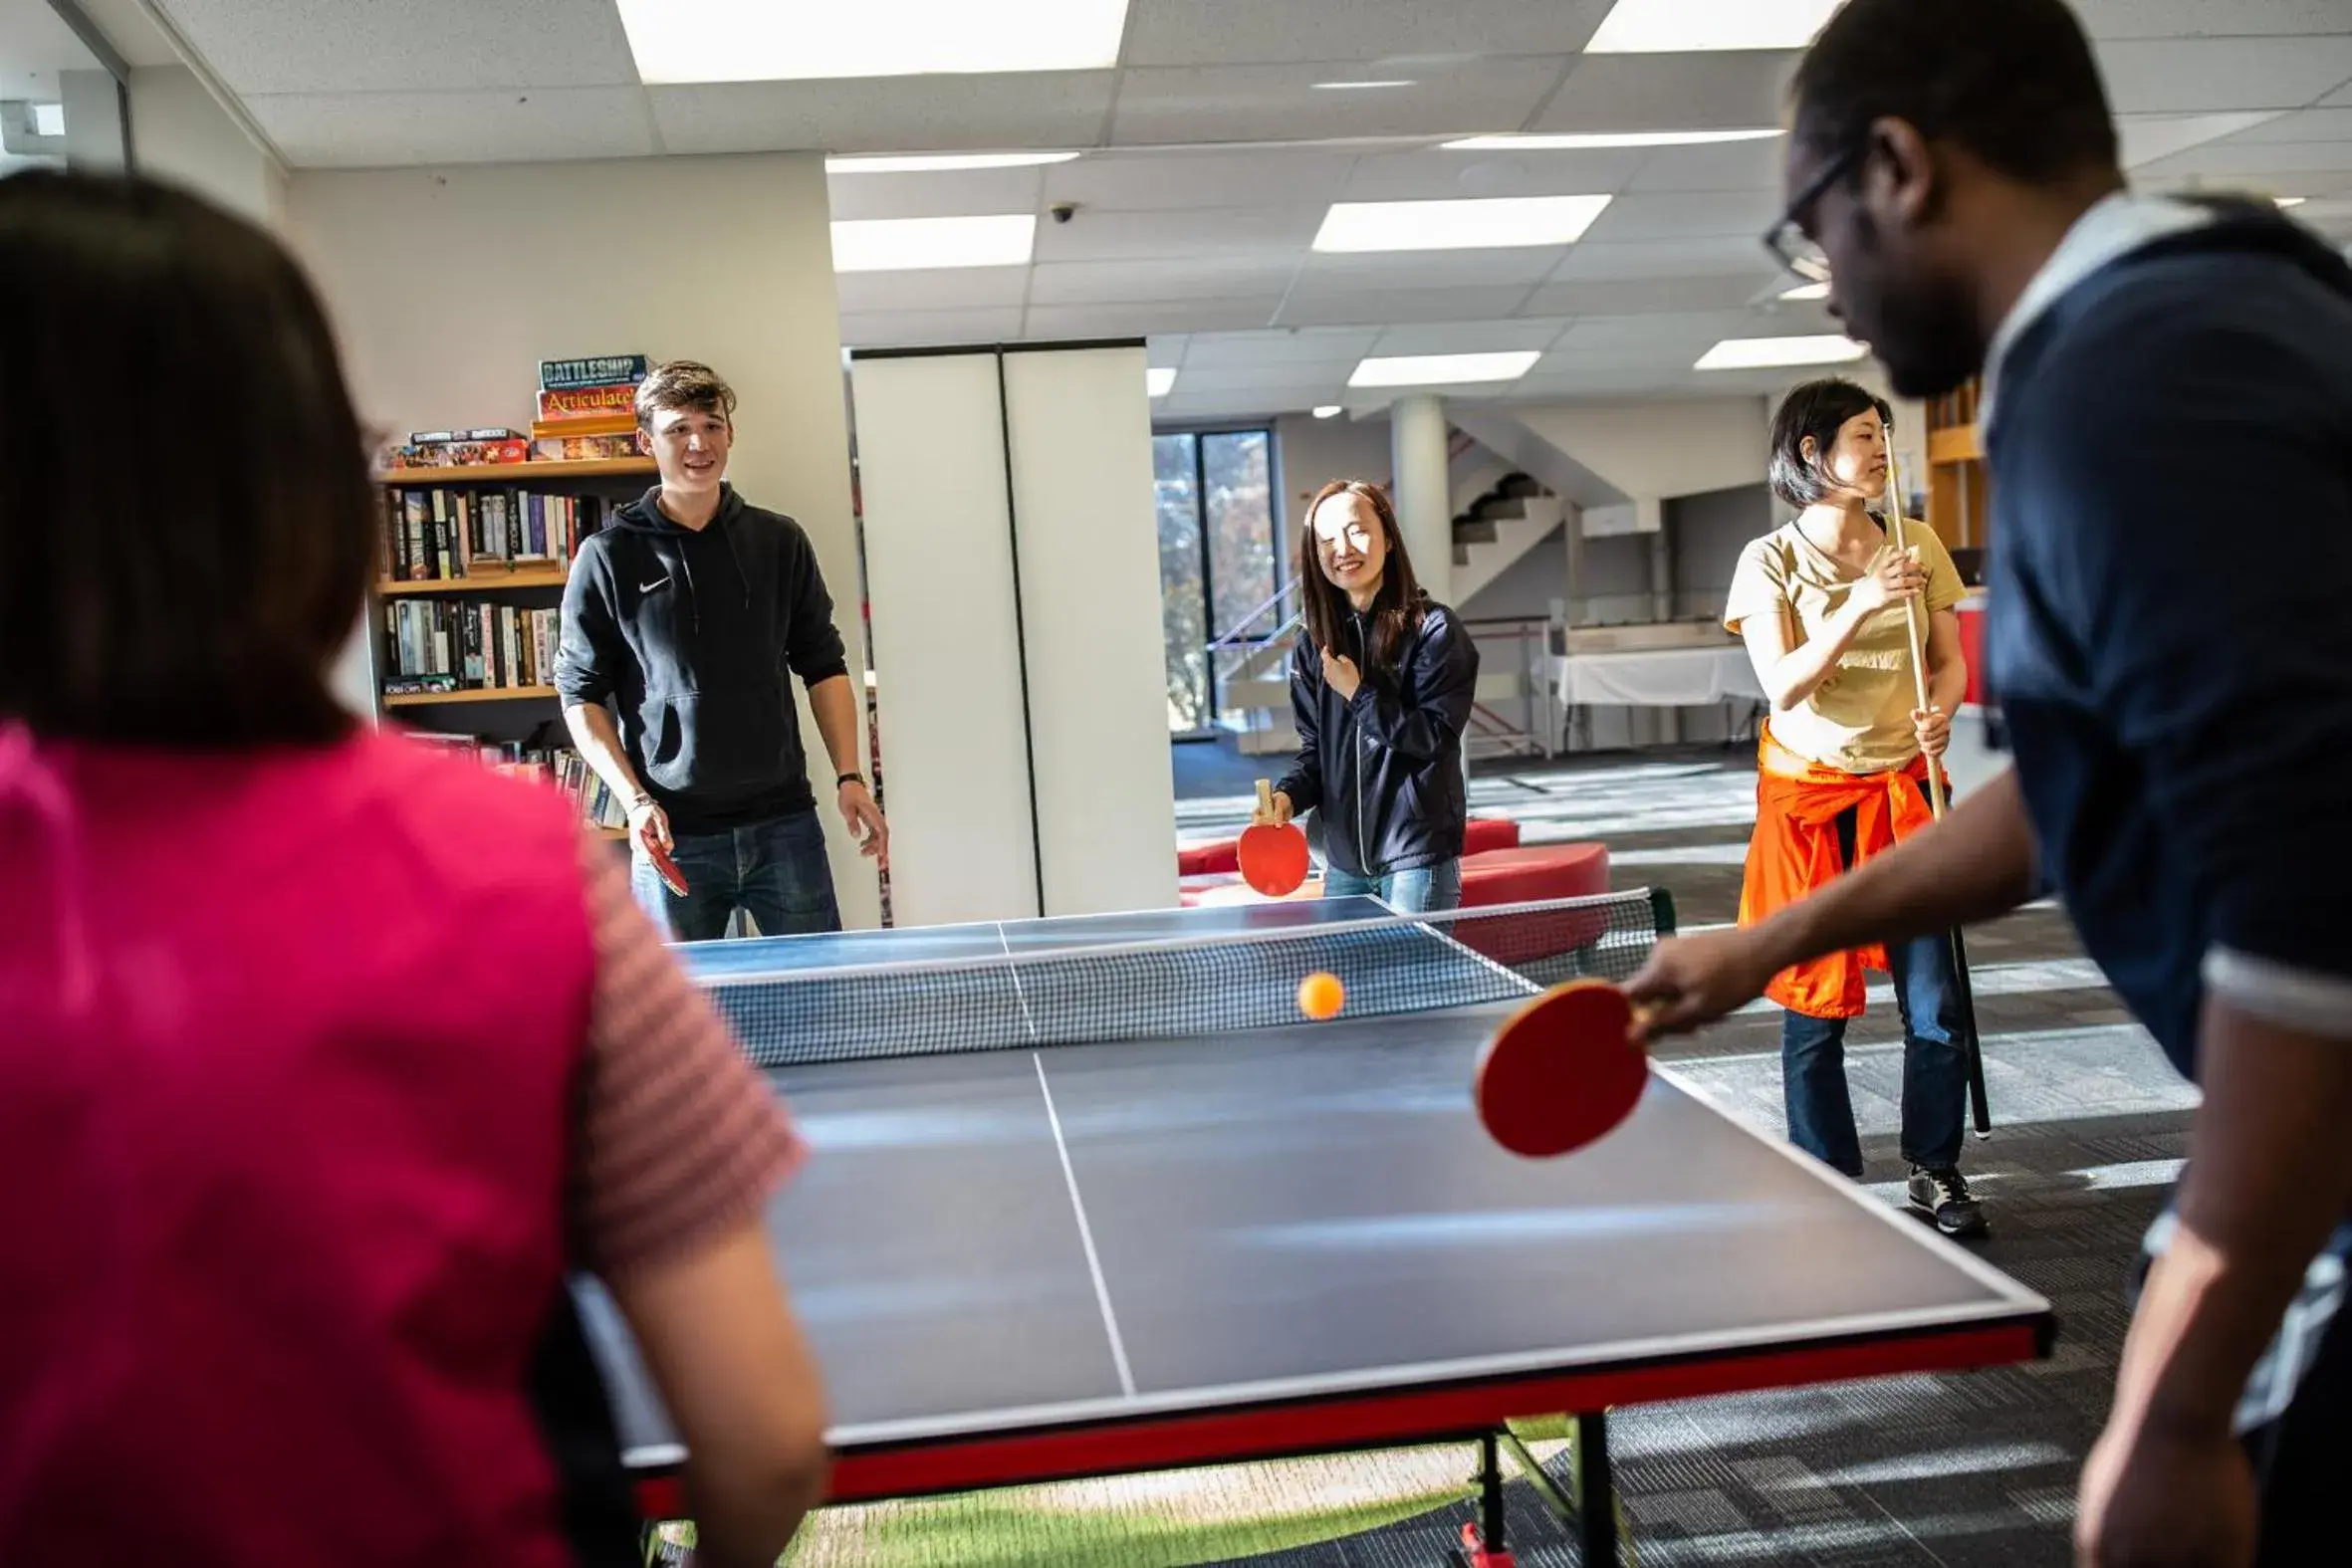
[
  {"x": 2168, "y": 419},
  {"x": 690, "y": 613}
]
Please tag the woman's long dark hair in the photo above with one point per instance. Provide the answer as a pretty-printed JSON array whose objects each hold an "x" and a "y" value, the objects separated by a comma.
[
  {"x": 1397, "y": 608},
  {"x": 186, "y": 519}
]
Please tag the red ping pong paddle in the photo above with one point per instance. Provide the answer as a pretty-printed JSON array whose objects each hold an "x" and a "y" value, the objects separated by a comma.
[
  {"x": 1562, "y": 1072},
  {"x": 1272, "y": 858},
  {"x": 663, "y": 866}
]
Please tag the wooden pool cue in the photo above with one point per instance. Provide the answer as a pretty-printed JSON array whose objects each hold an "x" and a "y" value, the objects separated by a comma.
[{"x": 1915, "y": 616}]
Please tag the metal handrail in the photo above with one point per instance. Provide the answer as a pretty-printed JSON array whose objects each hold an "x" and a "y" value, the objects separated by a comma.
[{"x": 1241, "y": 632}]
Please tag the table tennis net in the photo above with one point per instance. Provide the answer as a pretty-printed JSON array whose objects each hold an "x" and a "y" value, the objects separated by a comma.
[{"x": 1189, "y": 986}]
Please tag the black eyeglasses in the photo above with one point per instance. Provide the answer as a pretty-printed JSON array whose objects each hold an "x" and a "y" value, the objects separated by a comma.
[{"x": 1786, "y": 239}]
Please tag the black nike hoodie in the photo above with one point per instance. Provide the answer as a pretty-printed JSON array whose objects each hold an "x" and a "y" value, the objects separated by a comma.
[{"x": 695, "y": 635}]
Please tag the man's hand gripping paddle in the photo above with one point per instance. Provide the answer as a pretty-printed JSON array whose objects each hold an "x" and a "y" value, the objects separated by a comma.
[
  {"x": 1562, "y": 1072},
  {"x": 1273, "y": 856}
]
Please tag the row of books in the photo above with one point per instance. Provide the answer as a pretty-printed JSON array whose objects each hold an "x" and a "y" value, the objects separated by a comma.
[
  {"x": 436, "y": 534},
  {"x": 559, "y": 766},
  {"x": 439, "y": 645}
]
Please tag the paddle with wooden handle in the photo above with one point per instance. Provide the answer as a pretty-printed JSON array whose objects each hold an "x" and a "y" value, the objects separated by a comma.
[
  {"x": 1915, "y": 615},
  {"x": 1273, "y": 855}
]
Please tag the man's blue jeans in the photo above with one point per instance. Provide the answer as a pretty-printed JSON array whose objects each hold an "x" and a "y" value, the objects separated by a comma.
[
  {"x": 774, "y": 872},
  {"x": 1416, "y": 892}
]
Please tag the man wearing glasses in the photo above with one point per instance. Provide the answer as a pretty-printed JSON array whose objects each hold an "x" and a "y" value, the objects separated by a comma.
[{"x": 2168, "y": 417}]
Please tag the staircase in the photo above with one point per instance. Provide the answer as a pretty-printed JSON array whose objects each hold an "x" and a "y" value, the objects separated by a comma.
[{"x": 1497, "y": 528}]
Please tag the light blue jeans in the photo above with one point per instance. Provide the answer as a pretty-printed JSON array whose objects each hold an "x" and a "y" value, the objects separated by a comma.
[{"x": 1413, "y": 892}]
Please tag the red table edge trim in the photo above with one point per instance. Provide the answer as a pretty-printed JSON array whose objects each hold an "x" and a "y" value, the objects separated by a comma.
[{"x": 1133, "y": 1445}]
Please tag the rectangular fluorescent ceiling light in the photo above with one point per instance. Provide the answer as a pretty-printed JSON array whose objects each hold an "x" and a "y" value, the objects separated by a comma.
[
  {"x": 1159, "y": 383},
  {"x": 942, "y": 163},
  {"x": 676, "y": 41},
  {"x": 1658, "y": 26},
  {"x": 1444, "y": 369},
  {"x": 919, "y": 244},
  {"x": 1486, "y": 223},
  {"x": 49, "y": 120},
  {"x": 1758, "y": 353},
  {"x": 1807, "y": 291},
  {"x": 1328, "y": 411},
  {"x": 1354, "y": 86},
  {"x": 2283, "y": 201},
  {"x": 1585, "y": 141}
]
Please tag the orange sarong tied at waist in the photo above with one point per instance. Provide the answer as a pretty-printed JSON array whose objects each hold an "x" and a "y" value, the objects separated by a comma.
[{"x": 1795, "y": 852}]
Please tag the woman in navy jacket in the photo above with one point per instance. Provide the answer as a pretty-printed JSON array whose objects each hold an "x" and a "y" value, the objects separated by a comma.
[{"x": 1381, "y": 682}]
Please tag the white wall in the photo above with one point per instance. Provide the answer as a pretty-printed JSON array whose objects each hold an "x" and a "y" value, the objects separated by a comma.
[
  {"x": 1315, "y": 451},
  {"x": 180, "y": 133},
  {"x": 1656, "y": 450},
  {"x": 449, "y": 286}
]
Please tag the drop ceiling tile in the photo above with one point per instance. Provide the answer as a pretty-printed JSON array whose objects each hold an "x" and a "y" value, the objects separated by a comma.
[
  {"x": 2341, "y": 97},
  {"x": 1469, "y": 336},
  {"x": 1730, "y": 256},
  {"x": 1165, "y": 351},
  {"x": 1176, "y": 178},
  {"x": 942, "y": 289},
  {"x": 1635, "y": 296},
  {"x": 1225, "y": 32},
  {"x": 1714, "y": 91},
  {"x": 1681, "y": 215},
  {"x": 1281, "y": 346},
  {"x": 312, "y": 47},
  {"x": 2225, "y": 160},
  {"x": 1143, "y": 235},
  {"x": 2204, "y": 75},
  {"x": 2302, "y": 124},
  {"x": 1440, "y": 175},
  {"x": 2132, "y": 19},
  {"x": 391, "y": 129},
  {"x": 1117, "y": 282},
  {"x": 1401, "y": 305},
  {"x": 1261, "y": 102},
  {"x": 1131, "y": 321},
  {"x": 1370, "y": 272},
  {"x": 930, "y": 328},
  {"x": 2145, "y": 137},
  {"x": 946, "y": 194},
  {"x": 1726, "y": 165},
  {"x": 1045, "y": 109}
]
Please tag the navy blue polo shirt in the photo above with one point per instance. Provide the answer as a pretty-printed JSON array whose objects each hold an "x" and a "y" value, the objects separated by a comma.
[{"x": 2169, "y": 630}]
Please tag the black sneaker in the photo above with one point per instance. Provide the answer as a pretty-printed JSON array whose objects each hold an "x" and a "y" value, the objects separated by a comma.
[{"x": 1943, "y": 1196}]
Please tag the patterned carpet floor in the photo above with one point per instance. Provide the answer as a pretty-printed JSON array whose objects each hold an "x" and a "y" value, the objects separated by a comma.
[{"x": 1957, "y": 1472}]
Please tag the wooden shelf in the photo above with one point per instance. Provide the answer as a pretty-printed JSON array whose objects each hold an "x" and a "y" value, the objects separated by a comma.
[
  {"x": 503, "y": 694},
  {"x": 481, "y": 582},
  {"x": 514, "y": 473},
  {"x": 1953, "y": 444}
]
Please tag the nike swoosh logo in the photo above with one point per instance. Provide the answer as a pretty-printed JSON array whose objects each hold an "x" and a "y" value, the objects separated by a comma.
[{"x": 658, "y": 583}]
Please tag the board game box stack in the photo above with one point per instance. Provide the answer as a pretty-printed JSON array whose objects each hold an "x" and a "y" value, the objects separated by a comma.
[
  {"x": 458, "y": 448},
  {"x": 587, "y": 408}
]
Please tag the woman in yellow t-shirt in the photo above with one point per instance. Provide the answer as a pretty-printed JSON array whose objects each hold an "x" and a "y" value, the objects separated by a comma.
[{"x": 1821, "y": 603}]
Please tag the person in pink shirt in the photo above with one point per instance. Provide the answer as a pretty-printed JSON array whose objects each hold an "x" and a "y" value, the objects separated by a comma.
[{"x": 323, "y": 1060}]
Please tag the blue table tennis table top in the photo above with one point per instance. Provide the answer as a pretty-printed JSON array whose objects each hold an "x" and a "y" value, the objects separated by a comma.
[{"x": 1125, "y": 1240}]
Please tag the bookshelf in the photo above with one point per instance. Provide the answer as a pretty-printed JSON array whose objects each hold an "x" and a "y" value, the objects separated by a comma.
[
  {"x": 468, "y": 590},
  {"x": 1958, "y": 493}
]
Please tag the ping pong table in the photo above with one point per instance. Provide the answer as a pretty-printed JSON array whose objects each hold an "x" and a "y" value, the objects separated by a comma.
[{"x": 1087, "y": 1195}]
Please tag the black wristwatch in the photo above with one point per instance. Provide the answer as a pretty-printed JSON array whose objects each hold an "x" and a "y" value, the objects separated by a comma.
[{"x": 849, "y": 778}]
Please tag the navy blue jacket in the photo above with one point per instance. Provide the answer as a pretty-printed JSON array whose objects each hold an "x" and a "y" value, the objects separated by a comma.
[
  {"x": 2170, "y": 621},
  {"x": 1384, "y": 770}
]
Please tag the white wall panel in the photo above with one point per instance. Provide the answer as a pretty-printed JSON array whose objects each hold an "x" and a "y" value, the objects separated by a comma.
[
  {"x": 939, "y": 574},
  {"x": 1085, "y": 520}
]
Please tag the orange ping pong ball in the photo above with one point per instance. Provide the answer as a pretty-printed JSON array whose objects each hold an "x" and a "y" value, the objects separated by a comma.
[{"x": 1321, "y": 995}]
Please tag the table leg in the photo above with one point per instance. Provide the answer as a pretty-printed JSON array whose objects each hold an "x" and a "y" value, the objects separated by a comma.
[
  {"x": 1595, "y": 1490},
  {"x": 1483, "y": 1543}
]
